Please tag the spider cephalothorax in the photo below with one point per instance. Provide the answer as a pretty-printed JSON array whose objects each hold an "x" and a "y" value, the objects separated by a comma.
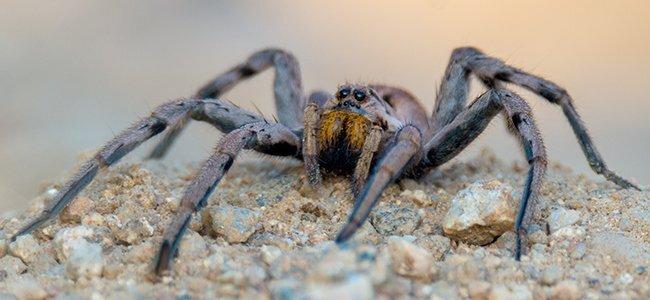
[
  {"x": 345, "y": 122},
  {"x": 376, "y": 133}
]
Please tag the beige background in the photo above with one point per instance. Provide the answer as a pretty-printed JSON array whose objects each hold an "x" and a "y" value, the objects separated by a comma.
[{"x": 73, "y": 73}]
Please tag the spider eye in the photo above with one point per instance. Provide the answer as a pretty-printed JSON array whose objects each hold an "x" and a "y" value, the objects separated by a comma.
[
  {"x": 359, "y": 95},
  {"x": 344, "y": 93}
]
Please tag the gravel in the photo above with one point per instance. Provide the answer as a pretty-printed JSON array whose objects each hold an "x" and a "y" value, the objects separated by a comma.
[{"x": 265, "y": 234}]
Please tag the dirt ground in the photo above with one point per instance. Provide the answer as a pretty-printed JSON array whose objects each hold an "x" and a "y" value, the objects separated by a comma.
[{"x": 266, "y": 235}]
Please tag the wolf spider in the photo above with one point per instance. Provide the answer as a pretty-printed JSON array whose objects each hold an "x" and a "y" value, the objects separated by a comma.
[{"x": 375, "y": 133}]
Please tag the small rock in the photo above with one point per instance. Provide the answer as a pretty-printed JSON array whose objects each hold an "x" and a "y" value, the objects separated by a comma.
[
  {"x": 192, "y": 246},
  {"x": 63, "y": 240},
  {"x": 76, "y": 210},
  {"x": 12, "y": 265},
  {"x": 270, "y": 253},
  {"x": 579, "y": 251},
  {"x": 551, "y": 275},
  {"x": 394, "y": 220},
  {"x": 133, "y": 232},
  {"x": 538, "y": 237},
  {"x": 418, "y": 197},
  {"x": 480, "y": 213},
  {"x": 620, "y": 247},
  {"x": 437, "y": 245},
  {"x": 27, "y": 288},
  {"x": 93, "y": 219},
  {"x": 286, "y": 289},
  {"x": 562, "y": 217},
  {"x": 568, "y": 233},
  {"x": 236, "y": 224},
  {"x": 506, "y": 241},
  {"x": 85, "y": 260},
  {"x": 3, "y": 247},
  {"x": 478, "y": 290},
  {"x": 354, "y": 287},
  {"x": 566, "y": 290},
  {"x": 335, "y": 264},
  {"x": 500, "y": 291},
  {"x": 442, "y": 290},
  {"x": 409, "y": 260},
  {"x": 625, "y": 279},
  {"x": 26, "y": 248}
]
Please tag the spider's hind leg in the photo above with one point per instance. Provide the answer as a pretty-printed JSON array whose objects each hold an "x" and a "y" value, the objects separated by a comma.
[
  {"x": 455, "y": 136},
  {"x": 492, "y": 71},
  {"x": 288, "y": 91}
]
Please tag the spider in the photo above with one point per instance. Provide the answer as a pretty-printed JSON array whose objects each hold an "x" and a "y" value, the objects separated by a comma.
[{"x": 373, "y": 133}]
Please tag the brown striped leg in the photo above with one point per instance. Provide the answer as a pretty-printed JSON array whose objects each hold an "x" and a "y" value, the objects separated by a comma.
[
  {"x": 268, "y": 138},
  {"x": 455, "y": 136},
  {"x": 370, "y": 147},
  {"x": 388, "y": 169},
  {"x": 453, "y": 92},
  {"x": 289, "y": 95}
]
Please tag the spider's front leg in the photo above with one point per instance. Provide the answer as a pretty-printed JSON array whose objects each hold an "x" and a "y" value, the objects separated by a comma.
[
  {"x": 455, "y": 136},
  {"x": 310, "y": 148},
  {"x": 162, "y": 117},
  {"x": 407, "y": 146},
  {"x": 223, "y": 115},
  {"x": 274, "y": 139}
]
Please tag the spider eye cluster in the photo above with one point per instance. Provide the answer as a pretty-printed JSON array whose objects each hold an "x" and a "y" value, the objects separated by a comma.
[
  {"x": 343, "y": 93},
  {"x": 359, "y": 95}
]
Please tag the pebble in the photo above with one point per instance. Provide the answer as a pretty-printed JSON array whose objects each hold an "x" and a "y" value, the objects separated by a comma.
[
  {"x": 619, "y": 247},
  {"x": 12, "y": 265},
  {"x": 515, "y": 292},
  {"x": 566, "y": 290},
  {"x": 192, "y": 246},
  {"x": 93, "y": 219},
  {"x": 394, "y": 220},
  {"x": 625, "y": 279},
  {"x": 353, "y": 287},
  {"x": 442, "y": 290},
  {"x": 84, "y": 260},
  {"x": 3, "y": 247},
  {"x": 418, "y": 197},
  {"x": 437, "y": 245},
  {"x": 76, "y": 210},
  {"x": 551, "y": 275},
  {"x": 27, "y": 288},
  {"x": 236, "y": 224},
  {"x": 480, "y": 213},
  {"x": 409, "y": 260},
  {"x": 579, "y": 251},
  {"x": 26, "y": 248},
  {"x": 64, "y": 239},
  {"x": 133, "y": 232},
  {"x": 270, "y": 253},
  {"x": 478, "y": 290},
  {"x": 561, "y": 217}
]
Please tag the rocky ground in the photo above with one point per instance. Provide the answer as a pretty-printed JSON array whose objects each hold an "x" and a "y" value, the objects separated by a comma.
[{"x": 266, "y": 234}]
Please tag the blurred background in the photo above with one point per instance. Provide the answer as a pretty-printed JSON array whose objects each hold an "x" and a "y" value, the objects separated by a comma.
[{"x": 74, "y": 73}]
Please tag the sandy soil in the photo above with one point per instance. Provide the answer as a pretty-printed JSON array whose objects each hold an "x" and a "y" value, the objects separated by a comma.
[{"x": 265, "y": 234}]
